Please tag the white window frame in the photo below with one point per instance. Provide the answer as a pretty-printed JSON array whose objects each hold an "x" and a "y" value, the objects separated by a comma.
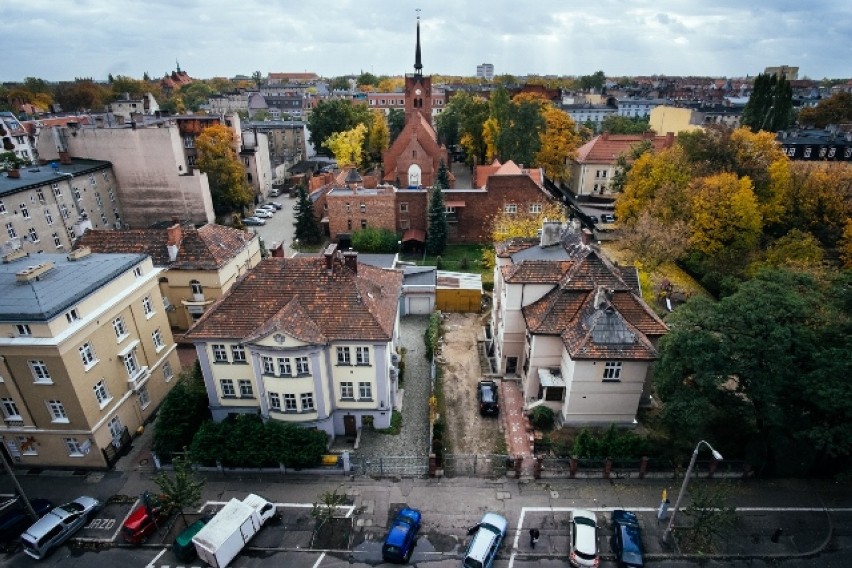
[
  {"x": 72, "y": 315},
  {"x": 285, "y": 368},
  {"x": 612, "y": 371},
  {"x": 147, "y": 307},
  {"x": 33, "y": 235},
  {"x": 510, "y": 208},
  {"x": 88, "y": 355},
  {"x": 40, "y": 373},
  {"x": 246, "y": 388},
  {"x": 57, "y": 411},
  {"x": 75, "y": 448},
  {"x": 365, "y": 390},
  {"x": 343, "y": 356},
  {"x": 102, "y": 394},
  {"x": 274, "y": 402},
  {"x": 23, "y": 329},
  {"x": 362, "y": 355},
  {"x": 143, "y": 397},
  {"x": 290, "y": 403},
  {"x": 347, "y": 390},
  {"x": 307, "y": 401},
  {"x": 302, "y": 366},
  {"x": 131, "y": 364},
  {"x": 238, "y": 354},
  {"x": 157, "y": 338},
  {"x": 220, "y": 354},
  {"x": 168, "y": 372},
  {"x": 10, "y": 409},
  {"x": 227, "y": 388},
  {"x": 267, "y": 365},
  {"x": 119, "y": 329}
]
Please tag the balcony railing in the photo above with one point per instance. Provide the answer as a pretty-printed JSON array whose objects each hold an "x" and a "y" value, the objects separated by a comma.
[{"x": 139, "y": 378}]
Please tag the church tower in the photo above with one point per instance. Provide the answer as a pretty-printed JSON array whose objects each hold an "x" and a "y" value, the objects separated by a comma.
[{"x": 418, "y": 89}]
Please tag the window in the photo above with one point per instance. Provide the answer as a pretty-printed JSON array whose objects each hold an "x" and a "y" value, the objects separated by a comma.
[
  {"x": 48, "y": 217},
  {"x": 365, "y": 391},
  {"x": 10, "y": 230},
  {"x": 99, "y": 201},
  {"x": 87, "y": 355},
  {"x": 238, "y": 353},
  {"x": 274, "y": 402},
  {"x": 404, "y": 224},
  {"x": 39, "y": 370},
  {"x": 137, "y": 271},
  {"x": 104, "y": 219},
  {"x": 147, "y": 307},
  {"x": 363, "y": 223},
  {"x": 75, "y": 448},
  {"x": 403, "y": 207},
  {"x": 307, "y": 401},
  {"x": 168, "y": 372},
  {"x": 302, "y": 366},
  {"x": 362, "y": 355},
  {"x": 118, "y": 327},
  {"x": 33, "y": 235},
  {"x": 347, "y": 391},
  {"x": 111, "y": 195},
  {"x": 57, "y": 241},
  {"x": 92, "y": 176},
  {"x": 612, "y": 371},
  {"x": 23, "y": 329},
  {"x": 63, "y": 210},
  {"x": 157, "y": 338},
  {"x": 131, "y": 364},
  {"x": 510, "y": 208},
  {"x": 72, "y": 315},
  {"x": 142, "y": 397},
  {"x": 535, "y": 208},
  {"x": 289, "y": 403},
  {"x": 57, "y": 192},
  {"x": 28, "y": 447},
  {"x": 57, "y": 411},
  {"x": 77, "y": 195},
  {"x": 363, "y": 207},
  {"x": 227, "y": 386},
  {"x": 101, "y": 393},
  {"x": 343, "y": 356},
  {"x": 115, "y": 429},
  {"x": 196, "y": 287},
  {"x": 267, "y": 364},
  {"x": 246, "y": 390},
  {"x": 10, "y": 409},
  {"x": 284, "y": 368},
  {"x": 25, "y": 213},
  {"x": 220, "y": 355}
]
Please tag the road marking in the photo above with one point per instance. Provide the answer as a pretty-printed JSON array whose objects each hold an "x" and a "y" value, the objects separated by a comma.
[
  {"x": 319, "y": 560},
  {"x": 348, "y": 508},
  {"x": 118, "y": 530},
  {"x": 151, "y": 564}
]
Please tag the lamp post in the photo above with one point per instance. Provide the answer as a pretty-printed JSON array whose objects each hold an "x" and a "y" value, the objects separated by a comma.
[
  {"x": 296, "y": 242},
  {"x": 716, "y": 455}
]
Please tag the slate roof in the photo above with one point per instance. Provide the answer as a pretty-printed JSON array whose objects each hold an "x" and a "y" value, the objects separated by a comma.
[
  {"x": 300, "y": 297},
  {"x": 208, "y": 248}
]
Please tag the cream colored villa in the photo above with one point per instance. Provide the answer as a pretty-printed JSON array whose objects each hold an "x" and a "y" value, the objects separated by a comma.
[
  {"x": 309, "y": 340},
  {"x": 199, "y": 265},
  {"x": 572, "y": 328},
  {"x": 86, "y": 355}
]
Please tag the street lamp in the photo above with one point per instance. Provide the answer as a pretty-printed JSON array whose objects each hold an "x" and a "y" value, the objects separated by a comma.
[
  {"x": 296, "y": 242},
  {"x": 716, "y": 455}
]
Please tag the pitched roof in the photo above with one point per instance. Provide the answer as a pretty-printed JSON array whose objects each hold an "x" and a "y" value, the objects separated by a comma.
[
  {"x": 536, "y": 271},
  {"x": 299, "y": 296},
  {"x": 208, "y": 248},
  {"x": 419, "y": 129},
  {"x": 605, "y": 148}
]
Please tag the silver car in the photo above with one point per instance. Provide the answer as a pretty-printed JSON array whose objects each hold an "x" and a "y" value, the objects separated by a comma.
[{"x": 57, "y": 526}]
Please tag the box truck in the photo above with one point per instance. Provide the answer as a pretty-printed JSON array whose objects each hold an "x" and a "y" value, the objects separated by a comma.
[{"x": 229, "y": 531}]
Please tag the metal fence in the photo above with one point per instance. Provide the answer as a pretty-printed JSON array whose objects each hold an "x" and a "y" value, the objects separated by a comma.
[
  {"x": 475, "y": 465},
  {"x": 390, "y": 466}
]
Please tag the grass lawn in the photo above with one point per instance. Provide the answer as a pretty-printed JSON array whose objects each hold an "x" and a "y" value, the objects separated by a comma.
[{"x": 457, "y": 258}]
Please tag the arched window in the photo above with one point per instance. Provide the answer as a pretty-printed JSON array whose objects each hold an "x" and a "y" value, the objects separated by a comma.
[{"x": 197, "y": 290}]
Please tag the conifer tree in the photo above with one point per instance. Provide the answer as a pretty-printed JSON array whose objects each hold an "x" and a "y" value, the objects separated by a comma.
[
  {"x": 307, "y": 229},
  {"x": 436, "y": 240}
]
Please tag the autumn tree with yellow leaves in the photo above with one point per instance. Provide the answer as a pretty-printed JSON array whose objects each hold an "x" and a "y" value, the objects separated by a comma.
[
  {"x": 348, "y": 146},
  {"x": 378, "y": 136},
  {"x": 217, "y": 158}
]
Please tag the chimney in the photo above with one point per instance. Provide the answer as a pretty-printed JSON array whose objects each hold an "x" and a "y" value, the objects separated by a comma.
[
  {"x": 350, "y": 260},
  {"x": 550, "y": 232},
  {"x": 328, "y": 253},
  {"x": 173, "y": 243},
  {"x": 65, "y": 158},
  {"x": 586, "y": 236}
]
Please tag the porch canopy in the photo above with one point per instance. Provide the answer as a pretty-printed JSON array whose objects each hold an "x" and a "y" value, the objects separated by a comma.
[
  {"x": 548, "y": 379},
  {"x": 414, "y": 235}
]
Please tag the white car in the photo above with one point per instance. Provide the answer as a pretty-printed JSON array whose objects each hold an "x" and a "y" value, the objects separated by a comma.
[
  {"x": 57, "y": 526},
  {"x": 584, "y": 540},
  {"x": 268, "y": 206},
  {"x": 253, "y": 221},
  {"x": 262, "y": 213}
]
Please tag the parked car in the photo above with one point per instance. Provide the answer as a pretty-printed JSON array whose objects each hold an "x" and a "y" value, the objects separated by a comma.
[
  {"x": 486, "y": 392},
  {"x": 627, "y": 539},
  {"x": 15, "y": 521},
  {"x": 183, "y": 546},
  {"x": 593, "y": 219},
  {"x": 607, "y": 218},
  {"x": 277, "y": 205},
  {"x": 488, "y": 535},
  {"x": 584, "y": 540},
  {"x": 57, "y": 526},
  {"x": 268, "y": 207},
  {"x": 402, "y": 536},
  {"x": 253, "y": 221},
  {"x": 262, "y": 213},
  {"x": 144, "y": 521}
]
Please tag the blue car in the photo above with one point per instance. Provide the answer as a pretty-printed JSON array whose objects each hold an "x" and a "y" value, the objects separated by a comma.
[
  {"x": 402, "y": 536},
  {"x": 627, "y": 539},
  {"x": 15, "y": 522}
]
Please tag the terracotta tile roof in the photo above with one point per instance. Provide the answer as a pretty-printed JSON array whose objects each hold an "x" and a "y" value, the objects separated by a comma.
[
  {"x": 592, "y": 272},
  {"x": 300, "y": 297},
  {"x": 208, "y": 248},
  {"x": 554, "y": 312},
  {"x": 419, "y": 129},
  {"x": 482, "y": 173},
  {"x": 505, "y": 249},
  {"x": 606, "y": 148},
  {"x": 638, "y": 313},
  {"x": 536, "y": 272},
  {"x": 603, "y": 333}
]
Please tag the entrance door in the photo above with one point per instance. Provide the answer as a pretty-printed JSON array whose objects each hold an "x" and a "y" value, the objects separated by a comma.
[{"x": 349, "y": 428}]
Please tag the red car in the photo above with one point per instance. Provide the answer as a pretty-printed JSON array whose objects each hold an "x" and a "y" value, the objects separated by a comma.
[{"x": 143, "y": 521}]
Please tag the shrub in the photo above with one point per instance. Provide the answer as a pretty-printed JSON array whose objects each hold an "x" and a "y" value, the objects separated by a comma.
[
  {"x": 543, "y": 418},
  {"x": 181, "y": 414},
  {"x": 432, "y": 335},
  {"x": 375, "y": 240},
  {"x": 610, "y": 443}
]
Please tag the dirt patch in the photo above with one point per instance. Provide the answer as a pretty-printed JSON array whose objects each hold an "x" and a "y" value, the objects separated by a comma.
[{"x": 466, "y": 431}]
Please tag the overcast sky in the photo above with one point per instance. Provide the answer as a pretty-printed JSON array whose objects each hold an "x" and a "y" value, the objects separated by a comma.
[{"x": 63, "y": 39}]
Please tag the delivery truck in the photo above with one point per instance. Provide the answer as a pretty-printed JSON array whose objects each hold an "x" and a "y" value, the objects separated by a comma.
[{"x": 231, "y": 528}]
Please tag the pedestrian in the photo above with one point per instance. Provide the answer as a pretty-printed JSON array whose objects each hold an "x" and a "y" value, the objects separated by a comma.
[{"x": 534, "y": 534}]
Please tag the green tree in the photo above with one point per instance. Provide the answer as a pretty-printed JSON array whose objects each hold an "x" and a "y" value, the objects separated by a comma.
[
  {"x": 181, "y": 489},
  {"x": 711, "y": 518},
  {"x": 181, "y": 414},
  {"x": 443, "y": 175},
  {"x": 436, "y": 239},
  {"x": 124, "y": 84},
  {"x": 307, "y": 228},
  {"x": 367, "y": 79},
  {"x": 461, "y": 122},
  {"x": 375, "y": 240},
  {"x": 217, "y": 158},
  {"x": 616, "y": 124},
  {"x": 520, "y": 139},
  {"x": 339, "y": 83},
  {"x": 326, "y": 508},
  {"x": 195, "y": 94},
  {"x": 333, "y": 116},
  {"x": 770, "y": 106},
  {"x": 595, "y": 81},
  {"x": 257, "y": 77},
  {"x": 734, "y": 370},
  {"x": 396, "y": 122}
]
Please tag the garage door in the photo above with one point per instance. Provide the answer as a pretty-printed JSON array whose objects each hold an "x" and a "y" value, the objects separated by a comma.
[{"x": 419, "y": 305}]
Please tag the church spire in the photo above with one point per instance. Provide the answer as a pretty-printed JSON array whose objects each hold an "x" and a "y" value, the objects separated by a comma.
[{"x": 418, "y": 66}]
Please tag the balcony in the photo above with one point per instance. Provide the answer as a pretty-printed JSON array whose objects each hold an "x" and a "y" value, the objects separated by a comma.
[{"x": 139, "y": 377}]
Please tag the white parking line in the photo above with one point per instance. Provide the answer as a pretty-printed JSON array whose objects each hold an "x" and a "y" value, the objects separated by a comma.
[
  {"x": 121, "y": 524},
  {"x": 348, "y": 508},
  {"x": 151, "y": 564},
  {"x": 319, "y": 560}
]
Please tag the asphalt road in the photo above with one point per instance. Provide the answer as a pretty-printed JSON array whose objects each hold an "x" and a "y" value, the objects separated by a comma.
[{"x": 279, "y": 228}]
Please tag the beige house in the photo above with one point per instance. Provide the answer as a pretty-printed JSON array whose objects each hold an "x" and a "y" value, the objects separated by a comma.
[
  {"x": 309, "y": 340},
  {"x": 199, "y": 265},
  {"x": 86, "y": 356},
  {"x": 571, "y": 328},
  {"x": 44, "y": 208}
]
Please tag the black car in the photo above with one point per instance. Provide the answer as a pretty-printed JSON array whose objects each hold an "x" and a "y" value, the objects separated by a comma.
[
  {"x": 627, "y": 539},
  {"x": 16, "y": 521},
  {"x": 486, "y": 392}
]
